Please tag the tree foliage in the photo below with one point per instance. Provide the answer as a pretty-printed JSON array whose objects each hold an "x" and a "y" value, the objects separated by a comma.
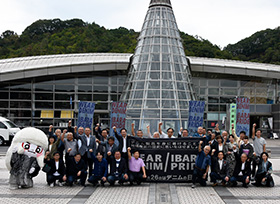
[
  {"x": 263, "y": 46},
  {"x": 55, "y": 36}
]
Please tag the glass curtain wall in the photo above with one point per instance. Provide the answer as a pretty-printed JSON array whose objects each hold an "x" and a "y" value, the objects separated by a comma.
[{"x": 159, "y": 86}]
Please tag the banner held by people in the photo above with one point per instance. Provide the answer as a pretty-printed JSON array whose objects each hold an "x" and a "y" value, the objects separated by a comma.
[
  {"x": 167, "y": 160},
  {"x": 118, "y": 115},
  {"x": 242, "y": 115},
  {"x": 85, "y": 115},
  {"x": 196, "y": 114}
]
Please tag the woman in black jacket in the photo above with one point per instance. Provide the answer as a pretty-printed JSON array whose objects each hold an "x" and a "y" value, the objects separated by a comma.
[
  {"x": 263, "y": 177},
  {"x": 57, "y": 169}
]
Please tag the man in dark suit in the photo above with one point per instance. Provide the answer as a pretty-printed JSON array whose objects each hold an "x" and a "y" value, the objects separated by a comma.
[
  {"x": 57, "y": 169},
  {"x": 110, "y": 148},
  {"x": 123, "y": 142},
  {"x": 118, "y": 170},
  {"x": 87, "y": 147},
  {"x": 99, "y": 133},
  {"x": 219, "y": 169},
  {"x": 76, "y": 169},
  {"x": 242, "y": 170}
]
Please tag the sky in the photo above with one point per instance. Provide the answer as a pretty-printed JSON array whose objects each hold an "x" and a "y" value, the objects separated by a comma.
[{"x": 222, "y": 22}]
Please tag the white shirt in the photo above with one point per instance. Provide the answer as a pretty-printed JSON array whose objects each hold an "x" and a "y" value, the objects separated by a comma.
[
  {"x": 56, "y": 166},
  {"x": 124, "y": 145},
  {"x": 221, "y": 163},
  {"x": 50, "y": 147},
  {"x": 163, "y": 135},
  {"x": 220, "y": 147},
  {"x": 88, "y": 140},
  {"x": 117, "y": 164},
  {"x": 242, "y": 168}
]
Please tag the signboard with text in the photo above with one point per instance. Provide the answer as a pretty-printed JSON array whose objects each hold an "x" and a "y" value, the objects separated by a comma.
[
  {"x": 85, "y": 115},
  {"x": 118, "y": 115},
  {"x": 242, "y": 115},
  {"x": 196, "y": 114},
  {"x": 167, "y": 160}
]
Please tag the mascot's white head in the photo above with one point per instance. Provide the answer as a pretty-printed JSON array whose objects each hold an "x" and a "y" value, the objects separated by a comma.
[{"x": 31, "y": 142}]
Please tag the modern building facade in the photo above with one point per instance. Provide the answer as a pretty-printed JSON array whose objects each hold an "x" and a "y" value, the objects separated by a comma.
[
  {"x": 38, "y": 90},
  {"x": 32, "y": 86}
]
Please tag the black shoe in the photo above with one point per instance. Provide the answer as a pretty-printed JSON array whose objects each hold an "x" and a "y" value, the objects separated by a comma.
[
  {"x": 233, "y": 184},
  {"x": 245, "y": 185},
  {"x": 102, "y": 184}
]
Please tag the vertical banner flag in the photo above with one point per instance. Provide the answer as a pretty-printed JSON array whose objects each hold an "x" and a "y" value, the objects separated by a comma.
[
  {"x": 118, "y": 115},
  {"x": 232, "y": 116},
  {"x": 196, "y": 114},
  {"x": 242, "y": 115},
  {"x": 85, "y": 116}
]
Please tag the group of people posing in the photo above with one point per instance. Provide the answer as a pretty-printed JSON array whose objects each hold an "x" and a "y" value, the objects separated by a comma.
[
  {"x": 98, "y": 159},
  {"x": 233, "y": 159},
  {"x": 95, "y": 158}
]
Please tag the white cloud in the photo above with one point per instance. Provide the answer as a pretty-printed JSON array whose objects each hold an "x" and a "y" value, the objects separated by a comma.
[{"x": 220, "y": 21}]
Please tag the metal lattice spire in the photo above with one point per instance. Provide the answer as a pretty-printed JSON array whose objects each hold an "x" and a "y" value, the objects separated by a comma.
[
  {"x": 159, "y": 85},
  {"x": 160, "y": 2}
]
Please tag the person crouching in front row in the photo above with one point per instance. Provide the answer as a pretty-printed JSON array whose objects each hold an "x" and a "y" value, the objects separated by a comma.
[
  {"x": 263, "y": 176},
  {"x": 118, "y": 170},
  {"x": 100, "y": 171},
  {"x": 76, "y": 169},
  {"x": 220, "y": 170},
  {"x": 57, "y": 170},
  {"x": 136, "y": 164},
  {"x": 202, "y": 164},
  {"x": 242, "y": 170}
]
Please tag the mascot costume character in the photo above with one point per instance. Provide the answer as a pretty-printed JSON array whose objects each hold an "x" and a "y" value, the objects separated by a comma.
[{"x": 25, "y": 156}]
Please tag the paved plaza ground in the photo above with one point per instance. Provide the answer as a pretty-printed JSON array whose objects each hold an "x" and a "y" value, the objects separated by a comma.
[{"x": 147, "y": 193}]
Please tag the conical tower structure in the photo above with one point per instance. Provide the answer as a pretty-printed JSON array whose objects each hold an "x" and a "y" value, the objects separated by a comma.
[{"x": 159, "y": 86}]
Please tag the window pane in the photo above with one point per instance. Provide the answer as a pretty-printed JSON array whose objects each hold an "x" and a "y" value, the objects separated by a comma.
[
  {"x": 168, "y": 94},
  {"x": 153, "y": 94},
  {"x": 135, "y": 104},
  {"x": 100, "y": 97},
  {"x": 48, "y": 105},
  {"x": 213, "y": 82},
  {"x": 152, "y": 104},
  {"x": 85, "y": 88},
  {"x": 168, "y": 85},
  {"x": 85, "y": 97},
  {"x": 64, "y": 88},
  {"x": 154, "y": 85},
  {"x": 213, "y": 107},
  {"x": 44, "y": 96},
  {"x": 20, "y": 95},
  {"x": 65, "y": 97},
  {"x": 213, "y": 91},
  {"x": 228, "y": 83},
  {"x": 20, "y": 104},
  {"x": 168, "y": 104},
  {"x": 170, "y": 114},
  {"x": 151, "y": 113},
  {"x": 43, "y": 87},
  {"x": 100, "y": 88},
  {"x": 4, "y": 95}
]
